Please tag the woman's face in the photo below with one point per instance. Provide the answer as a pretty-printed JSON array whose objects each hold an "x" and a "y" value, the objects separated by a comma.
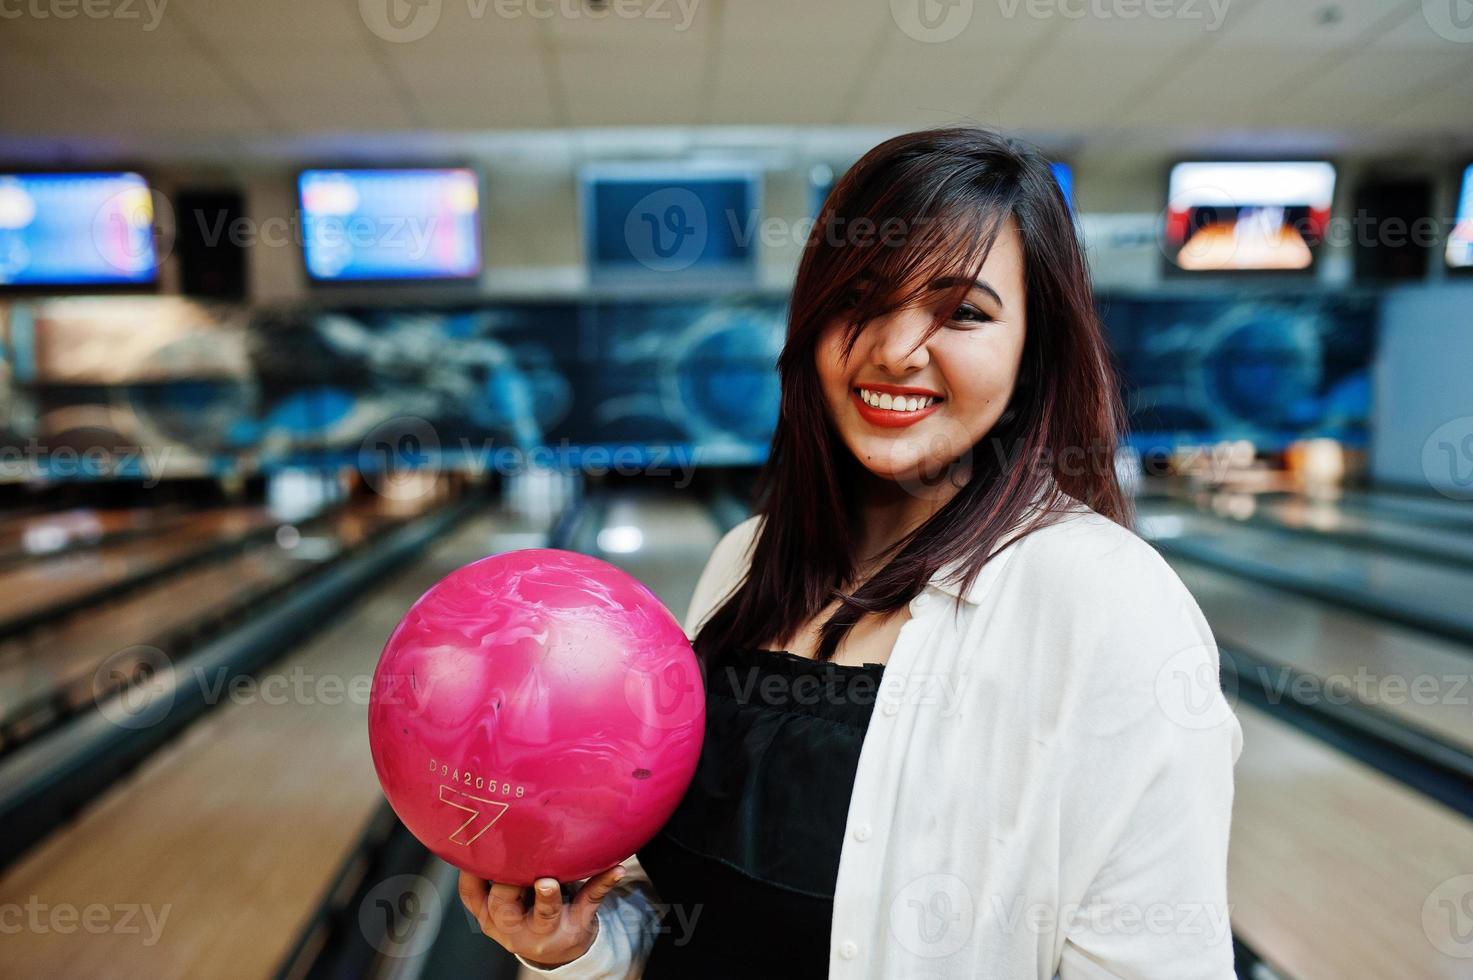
[{"x": 909, "y": 409}]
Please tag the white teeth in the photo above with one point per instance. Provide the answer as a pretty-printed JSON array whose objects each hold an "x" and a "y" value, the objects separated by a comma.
[{"x": 894, "y": 403}]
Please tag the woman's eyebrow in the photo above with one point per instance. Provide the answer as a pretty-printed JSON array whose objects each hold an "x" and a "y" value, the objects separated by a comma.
[{"x": 946, "y": 282}]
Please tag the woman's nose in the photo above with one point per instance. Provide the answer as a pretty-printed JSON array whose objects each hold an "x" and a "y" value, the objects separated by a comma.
[{"x": 900, "y": 341}]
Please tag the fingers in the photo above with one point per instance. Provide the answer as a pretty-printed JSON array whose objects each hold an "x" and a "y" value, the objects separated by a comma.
[
  {"x": 547, "y": 906},
  {"x": 474, "y": 893},
  {"x": 593, "y": 892},
  {"x": 506, "y": 905}
]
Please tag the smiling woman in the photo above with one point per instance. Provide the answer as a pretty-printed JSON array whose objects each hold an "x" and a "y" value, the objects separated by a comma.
[
  {"x": 995, "y": 790},
  {"x": 983, "y": 305}
]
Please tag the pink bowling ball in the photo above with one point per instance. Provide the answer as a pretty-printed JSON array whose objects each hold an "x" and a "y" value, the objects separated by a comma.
[{"x": 536, "y": 713}]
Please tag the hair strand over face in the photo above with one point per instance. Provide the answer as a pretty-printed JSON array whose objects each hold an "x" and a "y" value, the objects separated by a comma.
[{"x": 916, "y": 209}]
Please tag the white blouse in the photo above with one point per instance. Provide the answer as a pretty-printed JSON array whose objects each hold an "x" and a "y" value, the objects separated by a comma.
[{"x": 1045, "y": 788}]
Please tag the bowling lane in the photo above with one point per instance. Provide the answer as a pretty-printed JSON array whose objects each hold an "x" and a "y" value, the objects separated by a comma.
[
  {"x": 1334, "y": 869},
  {"x": 52, "y": 671},
  {"x": 40, "y": 534},
  {"x": 1449, "y": 543},
  {"x": 33, "y": 590},
  {"x": 225, "y": 843},
  {"x": 1411, "y": 508},
  {"x": 1423, "y": 595},
  {"x": 1422, "y": 681},
  {"x": 661, "y": 538}
]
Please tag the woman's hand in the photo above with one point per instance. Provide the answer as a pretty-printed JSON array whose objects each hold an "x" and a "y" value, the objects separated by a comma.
[{"x": 550, "y": 932}]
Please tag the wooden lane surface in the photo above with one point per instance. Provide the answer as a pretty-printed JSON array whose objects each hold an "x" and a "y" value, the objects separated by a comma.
[
  {"x": 1421, "y": 679},
  {"x": 1332, "y": 863},
  {"x": 64, "y": 656},
  {"x": 231, "y": 834},
  {"x": 28, "y": 536},
  {"x": 70, "y": 576}
]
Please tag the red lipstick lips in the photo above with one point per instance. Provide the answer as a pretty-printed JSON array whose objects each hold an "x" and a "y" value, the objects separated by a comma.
[{"x": 889, "y": 418}]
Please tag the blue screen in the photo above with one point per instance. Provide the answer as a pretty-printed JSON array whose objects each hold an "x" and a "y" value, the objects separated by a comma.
[
  {"x": 78, "y": 229},
  {"x": 373, "y": 225},
  {"x": 671, "y": 224}
]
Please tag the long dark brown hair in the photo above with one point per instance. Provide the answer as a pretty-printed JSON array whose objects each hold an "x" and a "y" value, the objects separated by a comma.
[{"x": 916, "y": 210}]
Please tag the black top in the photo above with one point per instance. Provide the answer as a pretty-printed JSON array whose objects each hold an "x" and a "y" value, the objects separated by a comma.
[{"x": 745, "y": 867}]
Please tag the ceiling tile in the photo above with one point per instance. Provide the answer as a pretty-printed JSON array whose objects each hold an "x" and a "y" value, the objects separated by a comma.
[
  {"x": 643, "y": 85},
  {"x": 1272, "y": 22}
]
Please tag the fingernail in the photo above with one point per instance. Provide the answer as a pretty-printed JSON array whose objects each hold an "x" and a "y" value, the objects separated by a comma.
[
  {"x": 619, "y": 875},
  {"x": 545, "y": 888}
]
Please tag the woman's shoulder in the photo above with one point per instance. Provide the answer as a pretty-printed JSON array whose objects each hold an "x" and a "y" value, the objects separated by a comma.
[{"x": 1096, "y": 556}]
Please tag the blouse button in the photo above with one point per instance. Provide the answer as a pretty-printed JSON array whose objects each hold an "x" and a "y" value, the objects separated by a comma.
[
  {"x": 848, "y": 949},
  {"x": 890, "y": 708},
  {"x": 920, "y": 602},
  {"x": 862, "y": 832}
]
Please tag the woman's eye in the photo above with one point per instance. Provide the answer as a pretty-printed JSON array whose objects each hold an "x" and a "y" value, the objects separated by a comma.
[{"x": 967, "y": 313}]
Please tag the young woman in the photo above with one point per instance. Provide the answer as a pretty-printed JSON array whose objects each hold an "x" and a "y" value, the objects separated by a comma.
[{"x": 962, "y": 722}]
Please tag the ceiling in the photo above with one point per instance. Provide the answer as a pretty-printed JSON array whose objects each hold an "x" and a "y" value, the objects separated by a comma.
[{"x": 244, "y": 80}]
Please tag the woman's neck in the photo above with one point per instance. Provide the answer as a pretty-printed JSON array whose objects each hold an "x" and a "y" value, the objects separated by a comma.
[{"x": 890, "y": 510}]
